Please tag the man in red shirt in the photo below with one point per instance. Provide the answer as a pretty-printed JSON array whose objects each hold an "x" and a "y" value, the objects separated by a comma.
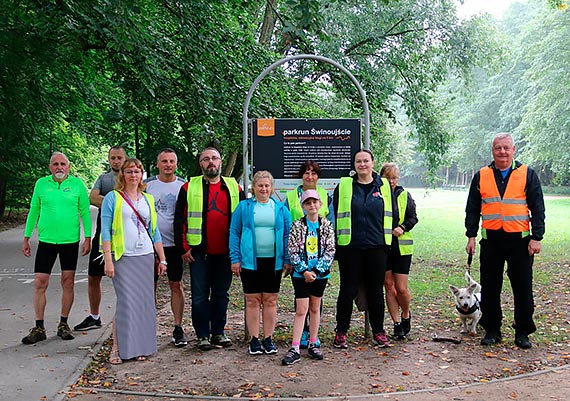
[{"x": 201, "y": 233}]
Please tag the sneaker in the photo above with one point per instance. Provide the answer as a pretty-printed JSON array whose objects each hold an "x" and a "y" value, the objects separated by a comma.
[
  {"x": 255, "y": 347},
  {"x": 291, "y": 357},
  {"x": 522, "y": 341},
  {"x": 398, "y": 331},
  {"x": 269, "y": 347},
  {"x": 36, "y": 334},
  {"x": 88, "y": 324},
  {"x": 204, "y": 344},
  {"x": 314, "y": 352},
  {"x": 221, "y": 340},
  {"x": 178, "y": 337},
  {"x": 491, "y": 338},
  {"x": 381, "y": 340},
  {"x": 304, "y": 339},
  {"x": 340, "y": 340},
  {"x": 407, "y": 324},
  {"x": 64, "y": 331}
]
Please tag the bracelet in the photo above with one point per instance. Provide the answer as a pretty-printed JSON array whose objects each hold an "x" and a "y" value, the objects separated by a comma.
[
  {"x": 164, "y": 262},
  {"x": 106, "y": 251}
]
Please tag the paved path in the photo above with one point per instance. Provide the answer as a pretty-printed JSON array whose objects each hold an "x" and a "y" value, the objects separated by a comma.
[{"x": 41, "y": 371}]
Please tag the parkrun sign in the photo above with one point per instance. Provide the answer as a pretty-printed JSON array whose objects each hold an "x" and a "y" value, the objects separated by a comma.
[{"x": 282, "y": 145}]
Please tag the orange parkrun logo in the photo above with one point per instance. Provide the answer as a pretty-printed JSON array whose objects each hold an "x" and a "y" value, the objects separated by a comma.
[{"x": 266, "y": 127}]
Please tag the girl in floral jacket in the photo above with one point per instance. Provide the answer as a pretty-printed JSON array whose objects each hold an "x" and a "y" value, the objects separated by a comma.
[{"x": 311, "y": 251}]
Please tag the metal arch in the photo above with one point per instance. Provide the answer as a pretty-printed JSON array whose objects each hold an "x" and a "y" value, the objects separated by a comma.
[{"x": 283, "y": 61}]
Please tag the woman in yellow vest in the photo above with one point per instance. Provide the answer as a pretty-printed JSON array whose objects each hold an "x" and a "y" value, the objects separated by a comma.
[
  {"x": 400, "y": 256},
  {"x": 129, "y": 238},
  {"x": 309, "y": 172},
  {"x": 363, "y": 207}
]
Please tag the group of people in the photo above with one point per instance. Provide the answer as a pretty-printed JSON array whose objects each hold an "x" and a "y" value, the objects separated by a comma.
[{"x": 148, "y": 228}]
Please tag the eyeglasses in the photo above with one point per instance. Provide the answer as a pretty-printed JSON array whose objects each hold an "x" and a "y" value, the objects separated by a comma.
[
  {"x": 209, "y": 159},
  {"x": 128, "y": 172},
  {"x": 392, "y": 178}
]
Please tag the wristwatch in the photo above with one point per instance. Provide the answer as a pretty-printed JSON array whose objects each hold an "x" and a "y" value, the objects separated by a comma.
[{"x": 164, "y": 262}]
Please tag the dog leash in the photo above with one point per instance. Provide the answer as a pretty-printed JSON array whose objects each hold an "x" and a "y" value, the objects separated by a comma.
[{"x": 469, "y": 260}]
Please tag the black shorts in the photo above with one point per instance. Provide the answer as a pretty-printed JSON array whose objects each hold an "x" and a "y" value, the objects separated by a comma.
[
  {"x": 305, "y": 290},
  {"x": 47, "y": 254},
  {"x": 399, "y": 264},
  {"x": 175, "y": 267},
  {"x": 264, "y": 279},
  {"x": 96, "y": 261}
]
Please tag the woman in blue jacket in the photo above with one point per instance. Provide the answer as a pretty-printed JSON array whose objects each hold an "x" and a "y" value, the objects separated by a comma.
[{"x": 259, "y": 235}]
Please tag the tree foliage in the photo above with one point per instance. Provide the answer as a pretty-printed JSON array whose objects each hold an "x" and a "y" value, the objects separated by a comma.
[
  {"x": 82, "y": 75},
  {"x": 527, "y": 95}
]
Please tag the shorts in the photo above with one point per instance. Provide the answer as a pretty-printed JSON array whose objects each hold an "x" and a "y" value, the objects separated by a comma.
[
  {"x": 96, "y": 261},
  {"x": 175, "y": 267},
  {"x": 398, "y": 264},
  {"x": 305, "y": 290},
  {"x": 47, "y": 254},
  {"x": 264, "y": 279}
]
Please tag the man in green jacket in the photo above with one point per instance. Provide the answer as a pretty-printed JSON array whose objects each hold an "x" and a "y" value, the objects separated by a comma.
[{"x": 58, "y": 203}]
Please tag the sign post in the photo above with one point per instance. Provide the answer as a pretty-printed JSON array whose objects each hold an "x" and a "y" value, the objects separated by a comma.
[{"x": 265, "y": 124}]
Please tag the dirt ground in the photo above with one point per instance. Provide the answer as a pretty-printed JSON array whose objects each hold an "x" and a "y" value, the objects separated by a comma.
[{"x": 361, "y": 372}]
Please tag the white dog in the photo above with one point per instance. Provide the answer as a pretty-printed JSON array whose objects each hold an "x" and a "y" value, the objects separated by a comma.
[{"x": 467, "y": 304}]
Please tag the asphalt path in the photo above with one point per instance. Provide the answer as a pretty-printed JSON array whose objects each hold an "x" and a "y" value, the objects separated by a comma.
[{"x": 41, "y": 371}]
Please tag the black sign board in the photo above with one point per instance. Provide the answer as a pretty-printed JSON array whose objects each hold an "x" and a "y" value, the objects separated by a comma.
[{"x": 282, "y": 145}]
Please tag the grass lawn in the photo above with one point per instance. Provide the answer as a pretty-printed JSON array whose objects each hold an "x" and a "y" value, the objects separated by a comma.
[{"x": 440, "y": 259}]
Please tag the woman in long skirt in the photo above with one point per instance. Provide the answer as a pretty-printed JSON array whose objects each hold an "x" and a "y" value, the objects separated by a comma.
[{"x": 129, "y": 234}]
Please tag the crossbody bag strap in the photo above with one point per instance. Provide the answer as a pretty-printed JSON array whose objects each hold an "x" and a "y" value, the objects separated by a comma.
[{"x": 137, "y": 214}]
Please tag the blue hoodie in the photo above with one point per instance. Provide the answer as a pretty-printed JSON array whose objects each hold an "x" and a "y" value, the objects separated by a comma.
[{"x": 242, "y": 235}]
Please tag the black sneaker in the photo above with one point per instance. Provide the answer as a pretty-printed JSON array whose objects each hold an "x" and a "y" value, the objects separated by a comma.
[
  {"x": 64, "y": 331},
  {"x": 204, "y": 344},
  {"x": 406, "y": 324},
  {"x": 522, "y": 341},
  {"x": 269, "y": 347},
  {"x": 291, "y": 357},
  {"x": 314, "y": 352},
  {"x": 178, "y": 337},
  {"x": 36, "y": 334},
  {"x": 255, "y": 347},
  {"x": 221, "y": 340},
  {"x": 491, "y": 338},
  {"x": 88, "y": 324},
  {"x": 398, "y": 331}
]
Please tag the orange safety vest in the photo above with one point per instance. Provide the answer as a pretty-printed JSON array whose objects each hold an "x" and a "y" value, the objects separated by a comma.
[{"x": 509, "y": 213}]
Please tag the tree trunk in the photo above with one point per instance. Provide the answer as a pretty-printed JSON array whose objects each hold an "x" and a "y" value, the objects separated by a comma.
[
  {"x": 268, "y": 25},
  {"x": 230, "y": 163},
  {"x": 3, "y": 186}
]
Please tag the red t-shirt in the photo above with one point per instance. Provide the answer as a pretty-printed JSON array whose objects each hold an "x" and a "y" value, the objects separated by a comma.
[{"x": 217, "y": 220}]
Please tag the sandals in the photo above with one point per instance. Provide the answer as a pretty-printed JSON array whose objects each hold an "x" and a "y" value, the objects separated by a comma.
[
  {"x": 115, "y": 358},
  {"x": 141, "y": 358}
]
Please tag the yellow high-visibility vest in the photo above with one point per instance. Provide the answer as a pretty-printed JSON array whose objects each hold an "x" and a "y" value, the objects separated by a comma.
[{"x": 195, "y": 198}]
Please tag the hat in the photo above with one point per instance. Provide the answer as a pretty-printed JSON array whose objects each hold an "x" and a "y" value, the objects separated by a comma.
[{"x": 308, "y": 194}]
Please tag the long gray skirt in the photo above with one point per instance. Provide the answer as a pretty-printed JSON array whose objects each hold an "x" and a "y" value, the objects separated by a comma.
[{"x": 135, "y": 312}]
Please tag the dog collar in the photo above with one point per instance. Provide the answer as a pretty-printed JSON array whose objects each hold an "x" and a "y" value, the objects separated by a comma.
[{"x": 470, "y": 310}]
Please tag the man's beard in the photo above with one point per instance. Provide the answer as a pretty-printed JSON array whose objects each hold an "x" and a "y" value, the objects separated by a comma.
[
  {"x": 59, "y": 176},
  {"x": 211, "y": 172}
]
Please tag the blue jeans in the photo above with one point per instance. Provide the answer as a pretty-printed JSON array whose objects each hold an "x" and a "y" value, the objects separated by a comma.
[{"x": 210, "y": 281}]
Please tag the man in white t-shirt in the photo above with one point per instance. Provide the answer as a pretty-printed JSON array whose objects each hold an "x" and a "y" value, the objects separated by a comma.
[{"x": 165, "y": 187}]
